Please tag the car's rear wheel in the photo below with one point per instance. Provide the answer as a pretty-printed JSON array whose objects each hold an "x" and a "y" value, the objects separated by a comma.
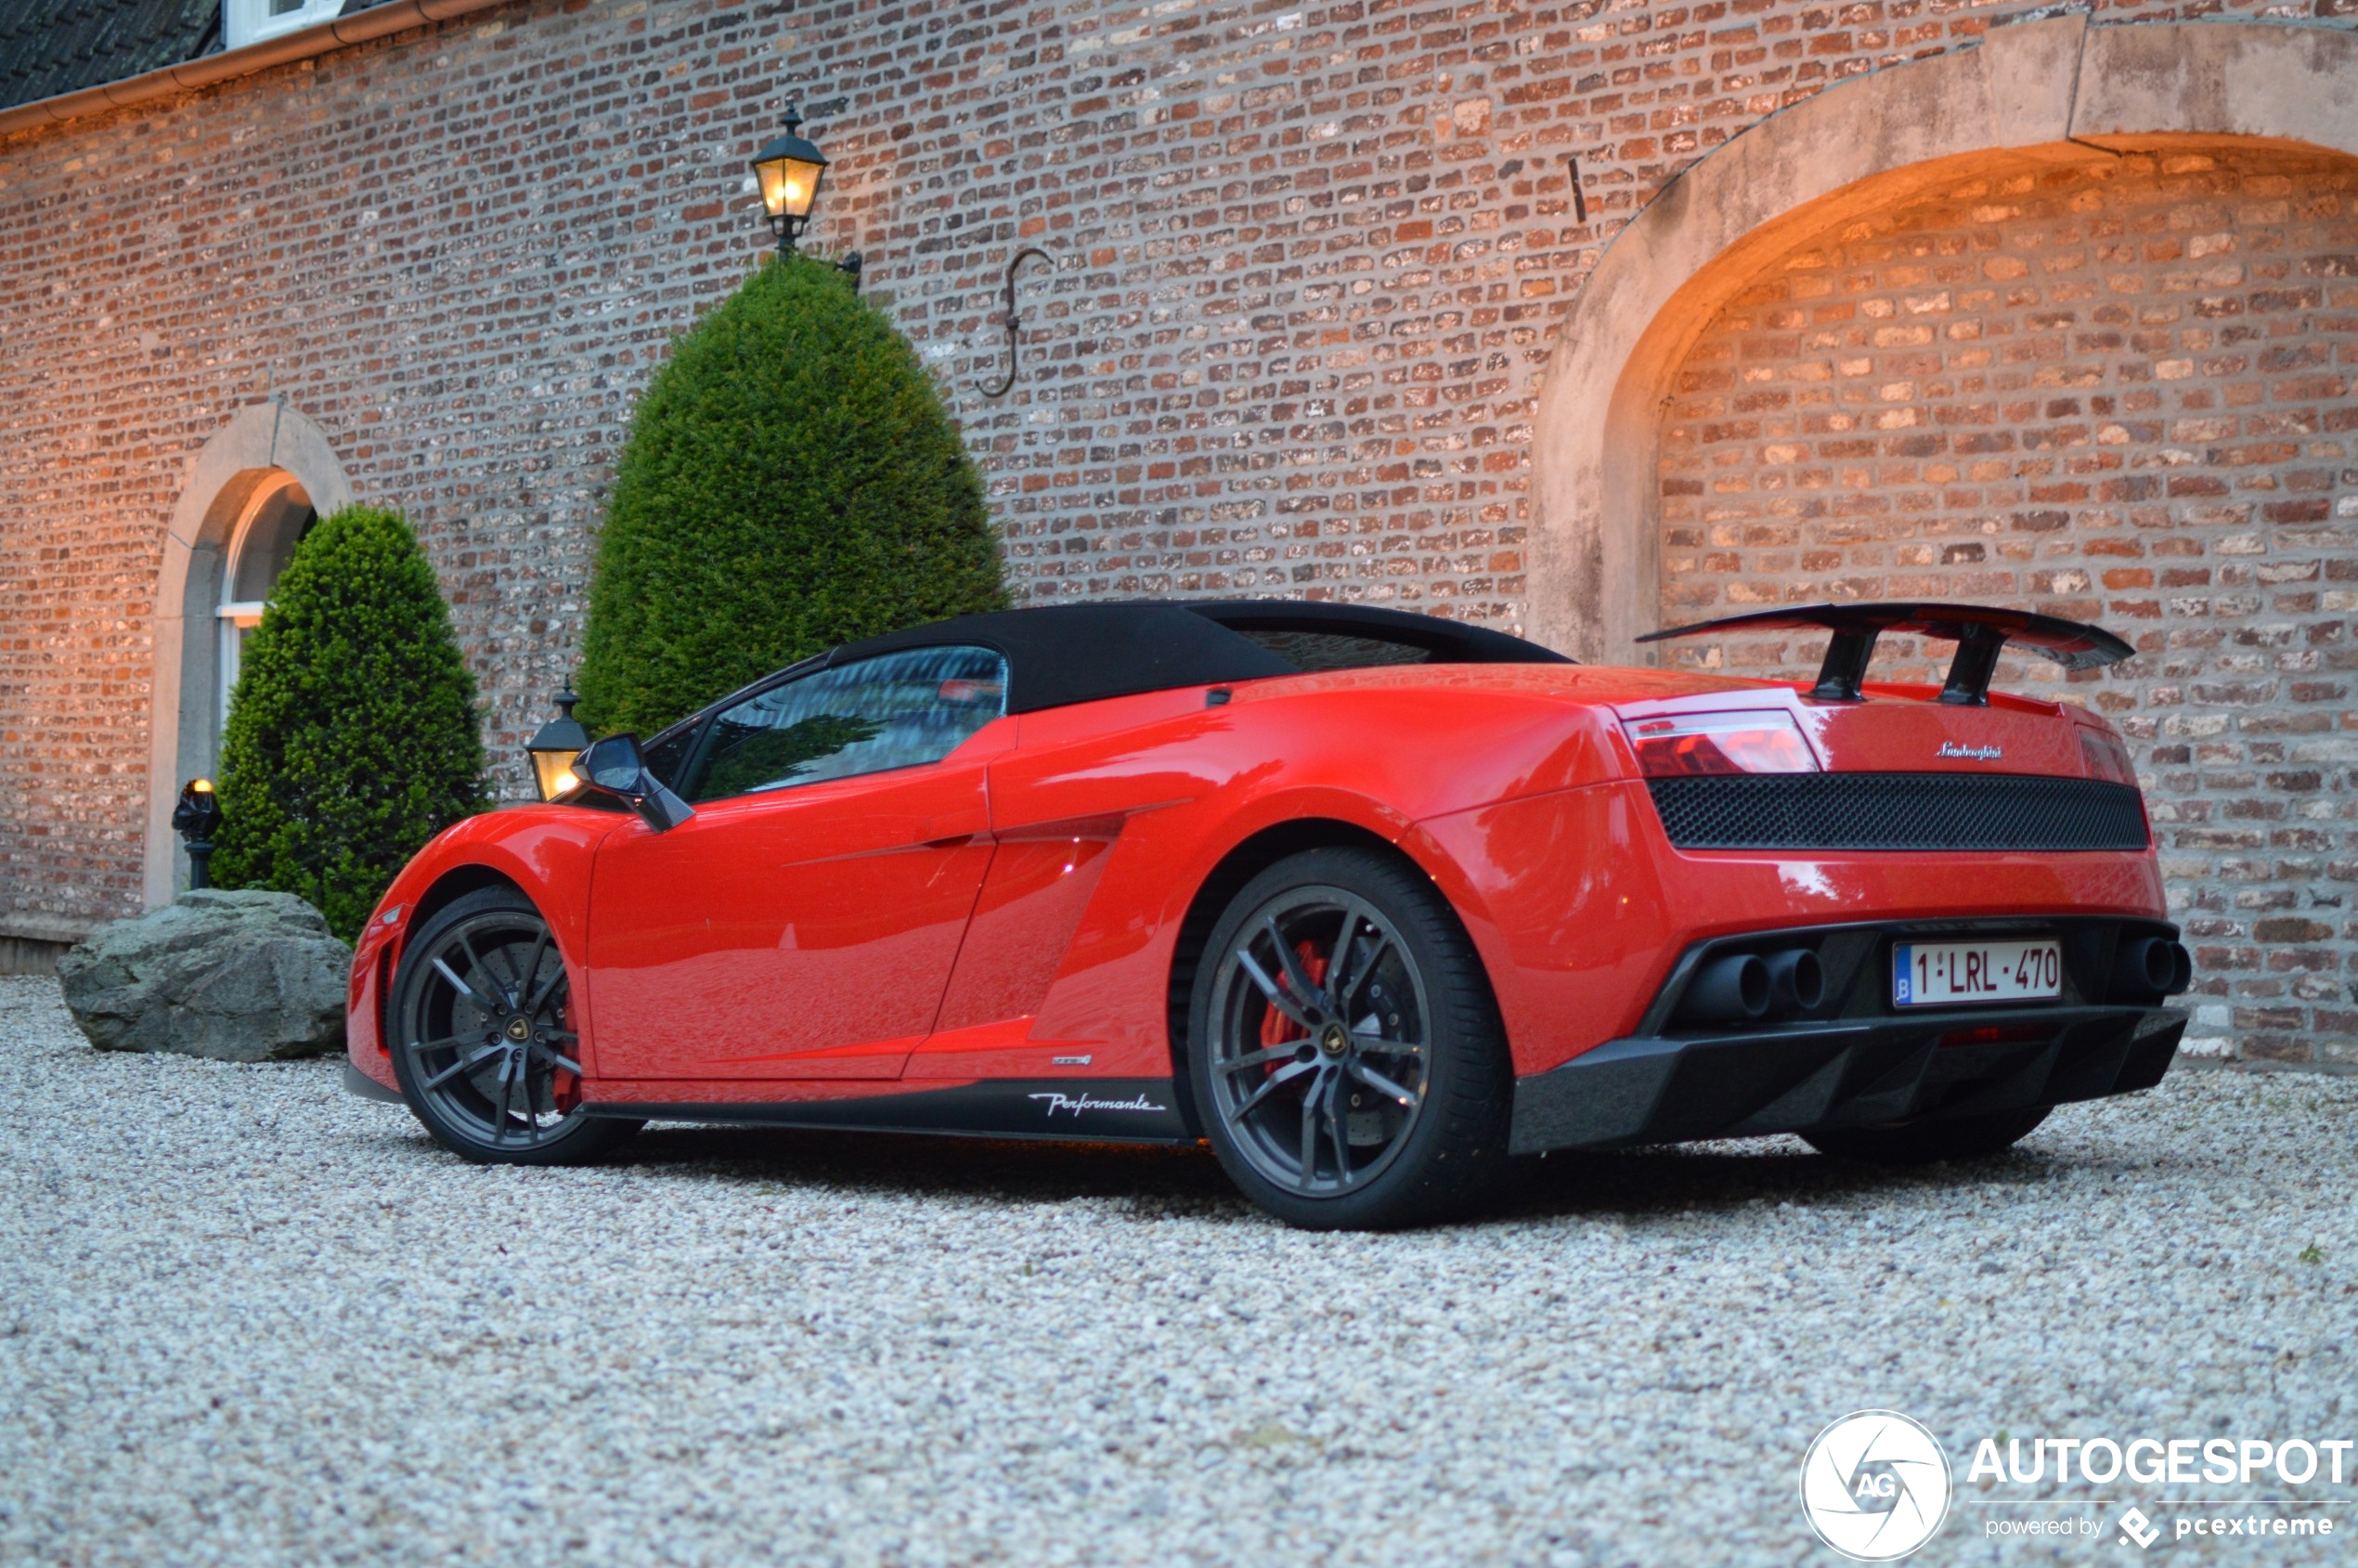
[
  {"x": 1345, "y": 1052},
  {"x": 1923, "y": 1143},
  {"x": 483, "y": 1043}
]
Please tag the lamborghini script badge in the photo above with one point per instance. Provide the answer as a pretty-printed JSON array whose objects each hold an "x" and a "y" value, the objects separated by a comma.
[
  {"x": 1977, "y": 753},
  {"x": 1079, "y": 1103}
]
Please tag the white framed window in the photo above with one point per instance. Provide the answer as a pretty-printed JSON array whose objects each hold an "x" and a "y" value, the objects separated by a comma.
[
  {"x": 250, "y": 21},
  {"x": 260, "y": 547}
]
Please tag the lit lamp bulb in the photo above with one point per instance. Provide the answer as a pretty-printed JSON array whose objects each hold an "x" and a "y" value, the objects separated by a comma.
[{"x": 788, "y": 186}]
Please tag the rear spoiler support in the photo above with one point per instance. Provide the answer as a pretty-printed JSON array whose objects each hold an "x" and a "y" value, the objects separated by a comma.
[{"x": 1981, "y": 632}]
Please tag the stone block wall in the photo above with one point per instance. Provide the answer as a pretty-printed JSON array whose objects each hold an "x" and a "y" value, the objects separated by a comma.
[{"x": 2119, "y": 392}]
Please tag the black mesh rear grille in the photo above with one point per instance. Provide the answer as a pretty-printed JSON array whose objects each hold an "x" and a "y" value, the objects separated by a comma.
[{"x": 1898, "y": 811}]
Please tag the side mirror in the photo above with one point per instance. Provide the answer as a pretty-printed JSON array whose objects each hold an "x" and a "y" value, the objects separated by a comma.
[{"x": 614, "y": 769}]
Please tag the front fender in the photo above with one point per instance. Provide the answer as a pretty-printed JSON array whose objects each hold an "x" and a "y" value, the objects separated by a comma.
[{"x": 545, "y": 851}]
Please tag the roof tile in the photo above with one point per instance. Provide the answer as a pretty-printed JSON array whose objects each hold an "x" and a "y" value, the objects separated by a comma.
[{"x": 50, "y": 47}]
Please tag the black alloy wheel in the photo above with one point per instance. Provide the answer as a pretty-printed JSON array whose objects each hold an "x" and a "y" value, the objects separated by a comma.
[
  {"x": 1345, "y": 1051},
  {"x": 483, "y": 1038}
]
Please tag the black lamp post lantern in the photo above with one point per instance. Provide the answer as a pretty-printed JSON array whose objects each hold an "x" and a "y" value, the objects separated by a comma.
[
  {"x": 790, "y": 171},
  {"x": 195, "y": 819},
  {"x": 554, "y": 748}
]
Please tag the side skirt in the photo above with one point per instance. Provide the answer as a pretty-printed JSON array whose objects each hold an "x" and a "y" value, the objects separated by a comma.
[{"x": 1140, "y": 1110}]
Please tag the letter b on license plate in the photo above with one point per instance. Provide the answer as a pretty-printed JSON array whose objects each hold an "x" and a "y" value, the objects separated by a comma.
[{"x": 1946, "y": 974}]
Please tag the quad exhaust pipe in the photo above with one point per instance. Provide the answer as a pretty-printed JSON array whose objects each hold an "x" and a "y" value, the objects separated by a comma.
[
  {"x": 1745, "y": 987},
  {"x": 1796, "y": 980},
  {"x": 2151, "y": 966}
]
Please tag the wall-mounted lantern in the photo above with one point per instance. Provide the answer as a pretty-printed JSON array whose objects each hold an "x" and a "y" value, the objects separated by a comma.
[
  {"x": 789, "y": 170},
  {"x": 554, "y": 748}
]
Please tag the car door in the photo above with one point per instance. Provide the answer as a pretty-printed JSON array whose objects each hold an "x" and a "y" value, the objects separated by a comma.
[{"x": 803, "y": 924}]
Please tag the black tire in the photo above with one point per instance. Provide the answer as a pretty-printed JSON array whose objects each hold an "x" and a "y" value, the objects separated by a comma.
[
  {"x": 1428, "y": 1144},
  {"x": 482, "y": 1039},
  {"x": 1926, "y": 1143}
]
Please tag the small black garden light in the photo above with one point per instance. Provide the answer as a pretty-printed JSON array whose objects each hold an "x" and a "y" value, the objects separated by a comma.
[
  {"x": 790, "y": 170},
  {"x": 552, "y": 750},
  {"x": 194, "y": 820}
]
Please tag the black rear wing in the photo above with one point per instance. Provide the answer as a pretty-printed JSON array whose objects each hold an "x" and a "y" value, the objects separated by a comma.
[{"x": 1980, "y": 631}]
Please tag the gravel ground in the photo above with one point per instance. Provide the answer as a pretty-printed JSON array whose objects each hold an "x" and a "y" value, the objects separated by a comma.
[{"x": 246, "y": 1318}]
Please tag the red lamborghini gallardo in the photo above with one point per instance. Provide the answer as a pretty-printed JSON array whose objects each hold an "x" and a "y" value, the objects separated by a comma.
[{"x": 1369, "y": 902}]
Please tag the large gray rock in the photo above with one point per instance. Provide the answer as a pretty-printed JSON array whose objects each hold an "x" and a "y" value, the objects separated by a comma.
[{"x": 242, "y": 976}]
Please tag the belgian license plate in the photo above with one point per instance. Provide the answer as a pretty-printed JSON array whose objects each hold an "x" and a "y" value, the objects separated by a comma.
[{"x": 1945, "y": 974}]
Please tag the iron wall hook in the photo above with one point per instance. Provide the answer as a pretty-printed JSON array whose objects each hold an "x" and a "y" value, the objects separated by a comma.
[{"x": 1015, "y": 327}]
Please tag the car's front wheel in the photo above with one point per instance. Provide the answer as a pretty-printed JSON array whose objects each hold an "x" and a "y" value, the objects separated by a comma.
[
  {"x": 1923, "y": 1143},
  {"x": 482, "y": 1039},
  {"x": 1345, "y": 1052}
]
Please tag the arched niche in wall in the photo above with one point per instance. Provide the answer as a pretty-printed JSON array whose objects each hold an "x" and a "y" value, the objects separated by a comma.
[
  {"x": 2114, "y": 390},
  {"x": 2051, "y": 89},
  {"x": 248, "y": 494}
]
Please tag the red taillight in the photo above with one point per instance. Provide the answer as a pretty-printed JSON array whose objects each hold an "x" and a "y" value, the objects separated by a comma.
[
  {"x": 1719, "y": 743},
  {"x": 2105, "y": 758}
]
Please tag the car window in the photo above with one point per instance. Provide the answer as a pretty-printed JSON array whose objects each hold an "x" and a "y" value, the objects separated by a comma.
[
  {"x": 666, "y": 757},
  {"x": 898, "y": 710}
]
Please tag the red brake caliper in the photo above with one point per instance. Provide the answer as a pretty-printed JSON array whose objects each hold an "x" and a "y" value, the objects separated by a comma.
[
  {"x": 564, "y": 1089},
  {"x": 1276, "y": 1028}
]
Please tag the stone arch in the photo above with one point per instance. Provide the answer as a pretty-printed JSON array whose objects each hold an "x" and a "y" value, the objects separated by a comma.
[
  {"x": 2054, "y": 88},
  {"x": 262, "y": 446}
]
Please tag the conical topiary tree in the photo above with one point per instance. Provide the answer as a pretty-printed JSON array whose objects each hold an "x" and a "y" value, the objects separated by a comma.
[
  {"x": 352, "y": 736},
  {"x": 791, "y": 481}
]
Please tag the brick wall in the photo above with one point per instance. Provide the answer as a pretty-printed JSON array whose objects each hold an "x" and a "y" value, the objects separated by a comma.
[
  {"x": 2119, "y": 393},
  {"x": 1308, "y": 260}
]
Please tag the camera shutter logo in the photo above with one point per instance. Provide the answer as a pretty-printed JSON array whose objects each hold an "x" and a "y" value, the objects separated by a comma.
[{"x": 1876, "y": 1485}]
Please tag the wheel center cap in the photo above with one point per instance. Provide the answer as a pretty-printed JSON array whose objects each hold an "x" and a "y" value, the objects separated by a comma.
[
  {"x": 519, "y": 1030},
  {"x": 1335, "y": 1040}
]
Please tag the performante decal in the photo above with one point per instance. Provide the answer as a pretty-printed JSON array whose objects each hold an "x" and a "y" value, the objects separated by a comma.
[
  {"x": 1085, "y": 1102},
  {"x": 1096, "y": 1109}
]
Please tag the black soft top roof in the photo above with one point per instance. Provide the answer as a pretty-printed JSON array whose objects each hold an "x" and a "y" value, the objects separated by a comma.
[{"x": 1065, "y": 653}]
